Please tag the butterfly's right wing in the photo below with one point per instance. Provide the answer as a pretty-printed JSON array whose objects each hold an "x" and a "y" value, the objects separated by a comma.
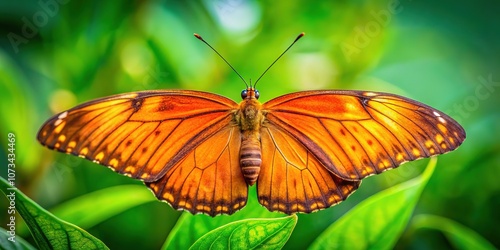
[
  {"x": 355, "y": 134},
  {"x": 318, "y": 145},
  {"x": 292, "y": 180}
]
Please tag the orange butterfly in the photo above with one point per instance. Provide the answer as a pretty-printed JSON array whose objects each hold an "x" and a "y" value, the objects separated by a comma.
[{"x": 199, "y": 151}]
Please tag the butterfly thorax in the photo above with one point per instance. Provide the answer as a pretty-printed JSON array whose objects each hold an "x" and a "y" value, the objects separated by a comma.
[{"x": 249, "y": 118}]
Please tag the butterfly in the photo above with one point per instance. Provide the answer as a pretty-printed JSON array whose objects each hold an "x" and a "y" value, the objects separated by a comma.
[{"x": 200, "y": 152}]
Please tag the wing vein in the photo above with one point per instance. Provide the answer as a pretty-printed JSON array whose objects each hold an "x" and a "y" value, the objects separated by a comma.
[
  {"x": 412, "y": 121},
  {"x": 366, "y": 153},
  {"x": 388, "y": 129},
  {"x": 343, "y": 150}
]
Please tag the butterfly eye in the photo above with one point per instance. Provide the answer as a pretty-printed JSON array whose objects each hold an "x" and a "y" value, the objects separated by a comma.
[
  {"x": 244, "y": 94},
  {"x": 257, "y": 94}
]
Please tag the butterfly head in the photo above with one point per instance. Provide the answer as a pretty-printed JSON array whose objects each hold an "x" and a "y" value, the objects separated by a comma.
[{"x": 250, "y": 93}]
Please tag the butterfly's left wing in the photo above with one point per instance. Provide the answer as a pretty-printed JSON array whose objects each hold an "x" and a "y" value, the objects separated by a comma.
[
  {"x": 208, "y": 180},
  {"x": 183, "y": 144},
  {"x": 141, "y": 134},
  {"x": 355, "y": 134}
]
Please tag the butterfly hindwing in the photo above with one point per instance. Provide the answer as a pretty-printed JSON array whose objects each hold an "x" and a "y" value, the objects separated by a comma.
[
  {"x": 355, "y": 134},
  {"x": 208, "y": 180},
  {"x": 292, "y": 180}
]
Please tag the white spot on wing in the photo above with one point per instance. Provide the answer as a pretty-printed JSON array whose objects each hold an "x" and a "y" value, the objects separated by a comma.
[
  {"x": 60, "y": 118},
  {"x": 63, "y": 115},
  {"x": 57, "y": 122}
]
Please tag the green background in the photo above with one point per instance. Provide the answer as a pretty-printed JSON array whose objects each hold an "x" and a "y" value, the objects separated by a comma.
[{"x": 55, "y": 55}]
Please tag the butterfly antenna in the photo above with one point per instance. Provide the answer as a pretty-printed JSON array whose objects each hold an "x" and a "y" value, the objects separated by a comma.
[
  {"x": 296, "y": 39},
  {"x": 201, "y": 39}
]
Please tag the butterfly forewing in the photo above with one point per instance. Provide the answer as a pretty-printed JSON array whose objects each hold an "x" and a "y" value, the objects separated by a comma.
[
  {"x": 355, "y": 134},
  {"x": 140, "y": 134}
]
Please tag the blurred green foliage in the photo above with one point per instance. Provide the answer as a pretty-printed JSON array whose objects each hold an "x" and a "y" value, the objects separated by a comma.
[{"x": 58, "y": 53}]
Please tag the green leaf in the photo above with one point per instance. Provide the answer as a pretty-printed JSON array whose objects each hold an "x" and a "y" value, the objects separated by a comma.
[
  {"x": 249, "y": 234},
  {"x": 460, "y": 236},
  {"x": 7, "y": 242},
  {"x": 48, "y": 231},
  {"x": 190, "y": 228},
  {"x": 110, "y": 201},
  {"x": 377, "y": 222}
]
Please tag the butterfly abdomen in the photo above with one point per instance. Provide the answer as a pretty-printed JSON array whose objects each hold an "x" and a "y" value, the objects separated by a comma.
[
  {"x": 249, "y": 118},
  {"x": 250, "y": 159}
]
